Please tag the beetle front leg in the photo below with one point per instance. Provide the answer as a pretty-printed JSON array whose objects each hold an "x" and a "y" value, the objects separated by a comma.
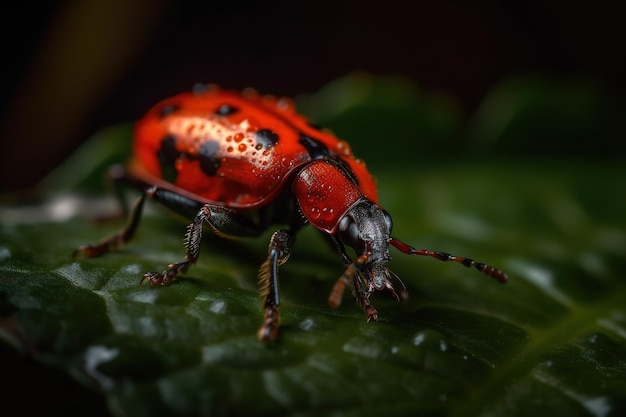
[
  {"x": 336, "y": 294},
  {"x": 277, "y": 254},
  {"x": 351, "y": 275}
]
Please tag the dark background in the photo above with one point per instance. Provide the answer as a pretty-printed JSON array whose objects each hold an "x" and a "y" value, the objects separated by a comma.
[{"x": 73, "y": 67}]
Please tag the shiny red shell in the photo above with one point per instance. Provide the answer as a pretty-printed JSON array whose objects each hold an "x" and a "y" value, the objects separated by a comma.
[
  {"x": 240, "y": 149},
  {"x": 324, "y": 202}
]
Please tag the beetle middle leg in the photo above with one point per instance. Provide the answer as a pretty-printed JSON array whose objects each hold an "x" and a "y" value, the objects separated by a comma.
[{"x": 223, "y": 220}]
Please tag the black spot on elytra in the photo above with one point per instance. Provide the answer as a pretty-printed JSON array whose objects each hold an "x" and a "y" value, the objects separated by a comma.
[
  {"x": 209, "y": 163},
  {"x": 226, "y": 110},
  {"x": 167, "y": 110},
  {"x": 167, "y": 158},
  {"x": 266, "y": 138},
  {"x": 315, "y": 148}
]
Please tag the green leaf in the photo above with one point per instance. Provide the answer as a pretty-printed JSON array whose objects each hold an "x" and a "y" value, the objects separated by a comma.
[{"x": 552, "y": 340}]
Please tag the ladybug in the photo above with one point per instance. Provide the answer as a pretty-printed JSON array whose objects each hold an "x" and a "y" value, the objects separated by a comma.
[{"x": 240, "y": 162}]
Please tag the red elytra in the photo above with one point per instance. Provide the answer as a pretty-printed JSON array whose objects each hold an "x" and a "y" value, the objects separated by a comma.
[
  {"x": 242, "y": 162},
  {"x": 232, "y": 148}
]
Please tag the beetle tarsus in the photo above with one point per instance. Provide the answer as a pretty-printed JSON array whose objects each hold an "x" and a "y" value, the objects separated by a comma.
[
  {"x": 371, "y": 313},
  {"x": 167, "y": 276},
  {"x": 336, "y": 294},
  {"x": 269, "y": 329},
  {"x": 119, "y": 238},
  {"x": 92, "y": 250}
]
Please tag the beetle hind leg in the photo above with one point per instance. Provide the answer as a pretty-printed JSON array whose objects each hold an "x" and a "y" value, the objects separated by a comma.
[
  {"x": 112, "y": 242},
  {"x": 277, "y": 254}
]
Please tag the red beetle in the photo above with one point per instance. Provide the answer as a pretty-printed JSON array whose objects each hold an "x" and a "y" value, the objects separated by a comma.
[{"x": 241, "y": 162}]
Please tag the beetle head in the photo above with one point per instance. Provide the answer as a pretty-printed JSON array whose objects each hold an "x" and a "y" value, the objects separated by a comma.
[{"x": 366, "y": 228}]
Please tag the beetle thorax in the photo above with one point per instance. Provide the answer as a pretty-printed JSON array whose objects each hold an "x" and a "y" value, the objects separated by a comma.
[{"x": 325, "y": 193}]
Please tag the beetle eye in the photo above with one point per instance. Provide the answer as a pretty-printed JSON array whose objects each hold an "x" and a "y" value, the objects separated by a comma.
[
  {"x": 388, "y": 221},
  {"x": 349, "y": 230}
]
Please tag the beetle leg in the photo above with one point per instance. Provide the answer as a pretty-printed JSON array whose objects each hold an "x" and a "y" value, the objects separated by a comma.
[
  {"x": 362, "y": 294},
  {"x": 351, "y": 275},
  {"x": 336, "y": 294},
  {"x": 223, "y": 220},
  {"x": 192, "y": 249},
  {"x": 166, "y": 197},
  {"x": 113, "y": 241},
  {"x": 277, "y": 254},
  {"x": 363, "y": 299}
]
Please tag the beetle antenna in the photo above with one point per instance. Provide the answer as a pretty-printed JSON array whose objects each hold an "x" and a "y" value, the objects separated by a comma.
[{"x": 495, "y": 273}]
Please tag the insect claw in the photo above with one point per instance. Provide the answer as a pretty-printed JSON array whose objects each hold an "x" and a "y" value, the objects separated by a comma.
[
  {"x": 153, "y": 277},
  {"x": 371, "y": 313},
  {"x": 90, "y": 251},
  {"x": 157, "y": 278}
]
